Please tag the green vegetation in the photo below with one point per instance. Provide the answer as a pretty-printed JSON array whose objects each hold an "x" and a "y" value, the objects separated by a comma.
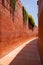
[
  {"x": 25, "y": 15},
  {"x": 13, "y": 3},
  {"x": 31, "y": 20}
]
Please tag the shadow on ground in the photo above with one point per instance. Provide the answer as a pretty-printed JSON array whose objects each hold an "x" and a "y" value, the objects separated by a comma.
[{"x": 29, "y": 55}]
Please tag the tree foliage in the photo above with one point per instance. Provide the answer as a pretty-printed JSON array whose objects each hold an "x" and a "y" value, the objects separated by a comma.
[{"x": 31, "y": 20}]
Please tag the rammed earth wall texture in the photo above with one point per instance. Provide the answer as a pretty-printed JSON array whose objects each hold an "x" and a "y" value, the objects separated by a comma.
[
  {"x": 12, "y": 26},
  {"x": 40, "y": 18}
]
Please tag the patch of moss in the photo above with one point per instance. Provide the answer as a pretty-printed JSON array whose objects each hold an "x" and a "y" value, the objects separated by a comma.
[
  {"x": 13, "y": 3},
  {"x": 25, "y": 15}
]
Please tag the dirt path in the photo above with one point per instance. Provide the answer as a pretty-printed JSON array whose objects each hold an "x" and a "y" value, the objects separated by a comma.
[
  {"x": 29, "y": 55},
  {"x": 25, "y": 54}
]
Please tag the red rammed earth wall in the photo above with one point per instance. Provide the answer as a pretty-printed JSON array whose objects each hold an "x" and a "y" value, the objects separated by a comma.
[
  {"x": 11, "y": 29},
  {"x": 40, "y": 18}
]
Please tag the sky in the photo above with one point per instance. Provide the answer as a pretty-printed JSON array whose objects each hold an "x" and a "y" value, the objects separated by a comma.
[{"x": 32, "y": 8}]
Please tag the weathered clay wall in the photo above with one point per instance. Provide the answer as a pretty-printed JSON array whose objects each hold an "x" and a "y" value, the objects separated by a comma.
[
  {"x": 40, "y": 18},
  {"x": 12, "y": 29}
]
